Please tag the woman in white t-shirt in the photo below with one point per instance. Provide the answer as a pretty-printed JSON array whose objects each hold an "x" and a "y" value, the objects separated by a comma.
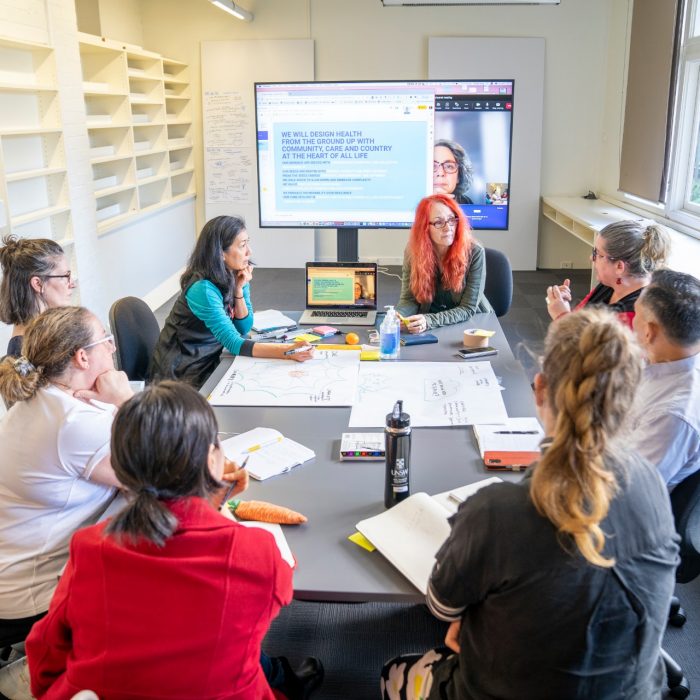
[{"x": 55, "y": 472}]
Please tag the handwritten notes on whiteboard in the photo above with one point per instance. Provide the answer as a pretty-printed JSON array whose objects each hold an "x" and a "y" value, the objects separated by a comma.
[
  {"x": 434, "y": 393},
  {"x": 228, "y": 162},
  {"x": 329, "y": 379}
]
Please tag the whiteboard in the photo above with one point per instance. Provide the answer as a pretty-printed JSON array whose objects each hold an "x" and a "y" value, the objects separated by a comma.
[
  {"x": 229, "y": 70},
  {"x": 521, "y": 59}
]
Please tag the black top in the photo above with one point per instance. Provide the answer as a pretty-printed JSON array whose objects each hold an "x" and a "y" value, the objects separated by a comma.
[
  {"x": 601, "y": 294},
  {"x": 538, "y": 620},
  {"x": 186, "y": 349},
  {"x": 14, "y": 347}
]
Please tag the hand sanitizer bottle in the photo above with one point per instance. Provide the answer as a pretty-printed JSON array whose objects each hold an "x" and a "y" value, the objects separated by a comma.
[{"x": 389, "y": 336}]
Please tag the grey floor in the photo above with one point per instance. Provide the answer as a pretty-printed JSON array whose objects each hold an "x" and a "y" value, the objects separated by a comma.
[{"x": 354, "y": 640}]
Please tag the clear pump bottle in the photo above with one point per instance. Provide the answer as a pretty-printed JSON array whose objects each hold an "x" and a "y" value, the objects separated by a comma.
[{"x": 390, "y": 336}]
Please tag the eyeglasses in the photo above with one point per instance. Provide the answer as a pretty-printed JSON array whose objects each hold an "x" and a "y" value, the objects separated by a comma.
[
  {"x": 107, "y": 339},
  {"x": 444, "y": 223},
  {"x": 449, "y": 167},
  {"x": 595, "y": 255},
  {"x": 66, "y": 276}
]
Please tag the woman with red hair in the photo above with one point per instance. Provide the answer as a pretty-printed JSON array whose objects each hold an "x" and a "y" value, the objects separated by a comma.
[{"x": 443, "y": 269}]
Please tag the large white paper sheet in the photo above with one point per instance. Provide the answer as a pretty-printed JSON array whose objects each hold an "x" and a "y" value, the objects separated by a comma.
[
  {"x": 329, "y": 379},
  {"x": 434, "y": 393}
]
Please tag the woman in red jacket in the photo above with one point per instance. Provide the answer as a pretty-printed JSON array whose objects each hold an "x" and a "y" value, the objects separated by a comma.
[{"x": 171, "y": 598}]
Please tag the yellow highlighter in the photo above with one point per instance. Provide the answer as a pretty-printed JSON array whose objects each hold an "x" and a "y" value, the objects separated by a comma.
[{"x": 402, "y": 319}]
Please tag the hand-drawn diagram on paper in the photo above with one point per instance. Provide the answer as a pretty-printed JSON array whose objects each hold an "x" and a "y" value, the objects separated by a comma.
[
  {"x": 330, "y": 379},
  {"x": 434, "y": 393}
]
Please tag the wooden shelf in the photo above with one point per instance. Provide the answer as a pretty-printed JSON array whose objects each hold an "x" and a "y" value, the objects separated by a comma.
[{"x": 33, "y": 175}]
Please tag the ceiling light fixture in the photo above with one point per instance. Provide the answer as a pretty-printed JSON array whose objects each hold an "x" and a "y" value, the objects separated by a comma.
[{"x": 233, "y": 9}]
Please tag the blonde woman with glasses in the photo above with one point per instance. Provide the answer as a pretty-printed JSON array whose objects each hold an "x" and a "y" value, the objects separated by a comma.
[
  {"x": 55, "y": 470},
  {"x": 624, "y": 255},
  {"x": 35, "y": 276}
]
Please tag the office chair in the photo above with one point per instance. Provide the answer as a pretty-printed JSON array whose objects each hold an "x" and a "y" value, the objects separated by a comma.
[
  {"x": 136, "y": 333},
  {"x": 499, "y": 281},
  {"x": 685, "y": 503}
]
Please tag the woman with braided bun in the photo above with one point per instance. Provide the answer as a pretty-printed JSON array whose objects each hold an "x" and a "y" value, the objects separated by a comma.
[
  {"x": 35, "y": 276},
  {"x": 559, "y": 586},
  {"x": 624, "y": 255},
  {"x": 174, "y": 598},
  {"x": 55, "y": 471}
]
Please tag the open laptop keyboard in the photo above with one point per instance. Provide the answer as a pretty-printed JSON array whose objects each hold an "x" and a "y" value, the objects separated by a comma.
[{"x": 339, "y": 314}]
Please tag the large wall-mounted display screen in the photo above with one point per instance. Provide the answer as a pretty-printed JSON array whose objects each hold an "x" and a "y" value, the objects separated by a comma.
[{"x": 362, "y": 154}]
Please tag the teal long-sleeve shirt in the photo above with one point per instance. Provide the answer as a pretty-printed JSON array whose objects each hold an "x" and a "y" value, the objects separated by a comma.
[
  {"x": 448, "y": 307},
  {"x": 207, "y": 303}
]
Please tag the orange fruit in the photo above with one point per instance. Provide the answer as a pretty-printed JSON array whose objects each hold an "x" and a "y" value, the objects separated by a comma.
[{"x": 352, "y": 339}]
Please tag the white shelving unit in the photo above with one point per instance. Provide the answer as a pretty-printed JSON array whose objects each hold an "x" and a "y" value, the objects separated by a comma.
[
  {"x": 139, "y": 124},
  {"x": 33, "y": 180}
]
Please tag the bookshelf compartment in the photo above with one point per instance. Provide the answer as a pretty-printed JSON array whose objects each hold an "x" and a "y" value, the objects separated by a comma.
[
  {"x": 178, "y": 110},
  {"x": 116, "y": 205},
  {"x": 154, "y": 193},
  {"x": 34, "y": 194},
  {"x": 145, "y": 90},
  {"x": 104, "y": 68},
  {"x": 23, "y": 111},
  {"x": 181, "y": 159},
  {"x": 112, "y": 174},
  {"x": 105, "y": 110},
  {"x": 56, "y": 226},
  {"x": 179, "y": 135},
  {"x": 110, "y": 142},
  {"x": 24, "y": 153},
  {"x": 26, "y": 65},
  {"x": 182, "y": 183},
  {"x": 148, "y": 138},
  {"x": 175, "y": 71},
  {"x": 152, "y": 165},
  {"x": 147, "y": 114}
]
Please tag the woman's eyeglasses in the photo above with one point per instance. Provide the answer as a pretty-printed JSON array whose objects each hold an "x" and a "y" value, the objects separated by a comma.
[
  {"x": 449, "y": 167},
  {"x": 65, "y": 276},
  {"x": 107, "y": 339},
  {"x": 595, "y": 255},
  {"x": 444, "y": 223}
]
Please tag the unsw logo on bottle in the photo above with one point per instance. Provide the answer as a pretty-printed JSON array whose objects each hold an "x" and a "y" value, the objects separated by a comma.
[{"x": 399, "y": 474}]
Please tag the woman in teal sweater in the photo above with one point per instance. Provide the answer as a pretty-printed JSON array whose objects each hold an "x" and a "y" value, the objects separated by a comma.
[{"x": 213, "y": 310}]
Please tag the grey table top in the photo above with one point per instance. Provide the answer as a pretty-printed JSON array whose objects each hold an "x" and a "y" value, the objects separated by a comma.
[{"x": 335, "y": 495}]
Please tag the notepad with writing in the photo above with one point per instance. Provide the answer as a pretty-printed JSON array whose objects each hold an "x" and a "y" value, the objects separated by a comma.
[
  {"x": 512, "y": 445},
  {"x": 269, "y": 453},
  {"x": 410, "y": 534}
]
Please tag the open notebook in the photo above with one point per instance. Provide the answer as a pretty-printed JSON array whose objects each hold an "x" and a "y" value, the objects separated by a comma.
[{"x": 269, "y": 453}]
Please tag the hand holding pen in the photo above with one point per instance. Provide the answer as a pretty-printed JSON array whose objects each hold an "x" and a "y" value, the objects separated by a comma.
[
  {"x": 236, "y": 477},
  {"x": 299, "y": 351}
]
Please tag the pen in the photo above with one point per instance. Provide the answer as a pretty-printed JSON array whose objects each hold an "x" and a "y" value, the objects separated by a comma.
[
  {"x": 296, "y": 351},
  {"x": 232, "y": 485},
  {"x": 516, "y": 432}
]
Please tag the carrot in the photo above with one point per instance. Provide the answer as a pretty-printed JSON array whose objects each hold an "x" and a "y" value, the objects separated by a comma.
[{"x": 265, "y": 512}]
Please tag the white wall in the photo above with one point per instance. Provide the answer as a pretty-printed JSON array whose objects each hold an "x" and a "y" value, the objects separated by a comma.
[{"x": 585, "y": 41}]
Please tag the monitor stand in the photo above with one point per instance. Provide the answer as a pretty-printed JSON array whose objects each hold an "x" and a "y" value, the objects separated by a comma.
[{"x": 347, "y": 245}]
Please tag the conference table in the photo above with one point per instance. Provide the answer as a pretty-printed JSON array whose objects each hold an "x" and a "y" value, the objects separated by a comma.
[{"x": 335, "y": 495}]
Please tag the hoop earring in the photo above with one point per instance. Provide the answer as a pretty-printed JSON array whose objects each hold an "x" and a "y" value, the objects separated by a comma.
[{"x": 618, "y": 280}]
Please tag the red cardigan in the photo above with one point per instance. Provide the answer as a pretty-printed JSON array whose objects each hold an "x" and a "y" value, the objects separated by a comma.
[{"x": 179, "y": 622}]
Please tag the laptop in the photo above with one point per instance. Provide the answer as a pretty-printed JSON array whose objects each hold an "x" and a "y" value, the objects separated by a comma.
[{"x": 340, "y": 294}]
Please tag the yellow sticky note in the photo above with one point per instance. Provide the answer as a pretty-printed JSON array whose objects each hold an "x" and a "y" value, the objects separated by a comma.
[
  {"x": 361, "y": 541},
  {"x": 369, "y": 355},
  {"x": 308, "y": 337},
  {"x": 481, "y": 333}
]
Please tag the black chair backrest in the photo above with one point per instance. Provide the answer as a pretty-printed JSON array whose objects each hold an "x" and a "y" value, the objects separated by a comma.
[
  {"x": 136, "y": 333},
  {"x": 499, "y": 281},
  {"x": 685, "y": 502}
]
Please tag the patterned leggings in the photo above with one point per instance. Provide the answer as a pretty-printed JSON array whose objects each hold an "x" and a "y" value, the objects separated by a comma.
[{"x": 410, "y": 676}]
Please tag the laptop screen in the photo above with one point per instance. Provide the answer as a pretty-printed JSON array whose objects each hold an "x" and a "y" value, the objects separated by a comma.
[{"x": 341, "y": 285}]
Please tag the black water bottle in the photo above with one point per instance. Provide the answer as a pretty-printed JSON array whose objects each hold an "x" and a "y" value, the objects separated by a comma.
[{"x": 397, "y": 440}]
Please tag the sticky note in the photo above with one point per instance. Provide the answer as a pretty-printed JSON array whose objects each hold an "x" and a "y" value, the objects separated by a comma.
[
  {"x": 308, "y": 337},
  {"x": 361, "y": 541},
  {"x": 369, "y": 355}
]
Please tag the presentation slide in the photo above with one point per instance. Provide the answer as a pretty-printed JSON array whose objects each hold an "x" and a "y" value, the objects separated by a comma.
[
  {"x": 332, "y": 290},
  {"x": 349, "y": 166}
]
